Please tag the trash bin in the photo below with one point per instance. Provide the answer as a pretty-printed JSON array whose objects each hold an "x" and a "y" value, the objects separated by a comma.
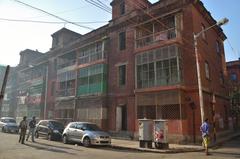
[
  {"x": 145, "y": 133},
  {"x": 160, "y": 134}
]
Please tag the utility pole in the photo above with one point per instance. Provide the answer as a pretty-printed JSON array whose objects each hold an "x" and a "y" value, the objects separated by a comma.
[
  {"x": 195, "y": 38},
  {"x": 3, "y": 88}
]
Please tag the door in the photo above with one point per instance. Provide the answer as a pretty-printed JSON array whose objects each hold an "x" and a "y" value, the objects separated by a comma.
[
  {"x": 80, "y": 132},
  {"x": 121, "y": 118},
  {"x": 71, "y": 131}
]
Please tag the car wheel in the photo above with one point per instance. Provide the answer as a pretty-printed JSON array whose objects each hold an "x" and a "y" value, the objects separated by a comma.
[
  {"x": 65, "y": 139},
  {"x": 49, "y": 137},
  {"x": 36, "y": 135},
  {"x": 86, "y": 142}
]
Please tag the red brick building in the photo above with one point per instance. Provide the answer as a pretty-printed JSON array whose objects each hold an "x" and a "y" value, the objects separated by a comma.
[
  {"x": 233, "y": 68},
  {"x": 141, "y": 65},
  {"x": 159, "y": 62}
]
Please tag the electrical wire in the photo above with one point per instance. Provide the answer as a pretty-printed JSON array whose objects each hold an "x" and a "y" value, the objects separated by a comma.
[
  {"x": 99, "y": 6},
  {"x": 25, "y": 4},
  {"x": 233, "y": 50},
  {"x": 61, "y": 12},
  {"x": 103, "y": 4},
  {"x": 48, "y": 22}
]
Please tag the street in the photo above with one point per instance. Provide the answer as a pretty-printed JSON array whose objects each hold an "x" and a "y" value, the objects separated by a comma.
[{"x": 11, "y": 149}]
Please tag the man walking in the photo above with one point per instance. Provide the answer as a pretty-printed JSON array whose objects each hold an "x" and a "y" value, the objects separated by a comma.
[
  {"x": 32, "y": 125},
  {"x": 23, "y": 129},
  {"x": 205, "y": 134}
]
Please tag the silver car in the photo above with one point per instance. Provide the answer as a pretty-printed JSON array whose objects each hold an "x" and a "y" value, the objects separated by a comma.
[
  {"x": 8, "y": 124},
  {"x": 86, "y": 133}
]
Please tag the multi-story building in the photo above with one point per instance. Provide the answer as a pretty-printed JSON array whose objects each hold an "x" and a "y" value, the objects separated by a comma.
[
  {"x": 152, "y": 67},
  {"x": 141, "y": 64},
  {"x": 233, "y": 68},
  {"x": 2, "y": 73},
  {"x": 10, "y": 101},
  {"x": 30, "y": 85}
]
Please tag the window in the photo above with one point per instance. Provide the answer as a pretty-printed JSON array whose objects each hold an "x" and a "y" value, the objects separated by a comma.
[
  {"x": 53, "y": 89},
  {"x": 43, "y": 123},
  {"x": 203, "y": 33},
  {"x": 158, "y": 67},
  {"x": 92, "y": 80},
  {"x": 73, "y": 125},
  {"x": 90, "y": 53},
  {"x": 122, "y": 41},
  {"x": 221, "y": 78},
  {"x": 122, "y": 8},
  {"x": 218, "y": 48},
  {"x": 79, "y": 126},
  {"x": 207, "y": 72},
  {"x": 233, "y": 77},
  {"x": 122, "y": 75}
]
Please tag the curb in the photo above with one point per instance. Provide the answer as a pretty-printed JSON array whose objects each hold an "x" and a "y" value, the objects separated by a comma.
[
  {"x": 173, "y": 150},
  {"x": 166, "y": 151}
]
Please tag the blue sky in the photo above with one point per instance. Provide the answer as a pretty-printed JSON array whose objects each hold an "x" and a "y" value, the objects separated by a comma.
[
  {"x": 15, "y": 36},
  {"x": 229, "y": 9}
]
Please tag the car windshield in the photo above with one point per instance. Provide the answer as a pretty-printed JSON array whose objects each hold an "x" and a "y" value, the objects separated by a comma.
[
  {"x": 91, "y": 127},
  {"x": 56, "y": 124},
  {"x": 9, "y": 121}
]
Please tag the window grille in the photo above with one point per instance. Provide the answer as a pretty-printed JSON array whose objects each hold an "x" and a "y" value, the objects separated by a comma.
[{"x": 158, "y": 67}]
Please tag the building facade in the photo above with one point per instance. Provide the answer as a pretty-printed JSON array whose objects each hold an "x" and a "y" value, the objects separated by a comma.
[
  {"x": 30, "y": 85},
  {"x": 233, "y": 68},
  {"x": 141, "y": 64},
  {"x": 9, "y": 102}
]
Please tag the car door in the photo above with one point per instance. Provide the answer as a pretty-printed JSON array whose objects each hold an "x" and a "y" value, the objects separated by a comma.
[
  {"x": 80, "y": 132},
  {"x": 70, "y": 131}
]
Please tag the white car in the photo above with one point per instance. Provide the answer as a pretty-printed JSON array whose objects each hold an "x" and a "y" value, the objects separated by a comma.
[
  {"x": 8, "y": 124},
  {"x": 86, "y": 133}
]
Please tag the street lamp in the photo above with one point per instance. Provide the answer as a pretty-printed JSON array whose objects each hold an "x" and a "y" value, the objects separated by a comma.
[{"x": 195, "y": 37}]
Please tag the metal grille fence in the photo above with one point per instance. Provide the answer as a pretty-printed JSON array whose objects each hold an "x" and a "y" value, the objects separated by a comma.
[{"x": 164, "y": 105}]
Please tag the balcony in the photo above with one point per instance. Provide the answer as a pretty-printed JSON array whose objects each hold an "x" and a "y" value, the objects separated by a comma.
[
  {"x": 91, "y": 57},
  {"x": 66, "y": 64},
  {"x": 66, "y": 92},
  {"x": 155, "y": 38}
]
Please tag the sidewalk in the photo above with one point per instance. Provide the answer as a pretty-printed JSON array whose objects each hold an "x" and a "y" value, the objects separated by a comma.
[{"x": 173, "y": 148}]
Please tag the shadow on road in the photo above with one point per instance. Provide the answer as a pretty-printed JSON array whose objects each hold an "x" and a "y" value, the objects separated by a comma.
[
  {"x": 40, "y": 146},
  {"x": 45, "y": 144},
  {"x": 226, "y": 154}
]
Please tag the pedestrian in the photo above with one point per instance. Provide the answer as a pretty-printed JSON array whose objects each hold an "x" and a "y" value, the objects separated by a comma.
[
  {"x": 205, "y": 134},
  {"x": 23, "y": 129},
  {"x": 32, "y": 125}
]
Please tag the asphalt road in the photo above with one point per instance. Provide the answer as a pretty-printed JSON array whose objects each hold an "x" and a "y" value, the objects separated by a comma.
[{"x": 43, "y": 149}]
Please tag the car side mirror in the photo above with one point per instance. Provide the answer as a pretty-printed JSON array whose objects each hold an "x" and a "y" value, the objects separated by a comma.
[{"x": 83, "y": 129}]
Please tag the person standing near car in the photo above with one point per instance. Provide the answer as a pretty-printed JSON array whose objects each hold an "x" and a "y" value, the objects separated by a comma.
[
  {"x": 23, "y": 129},
  {"x": 32, "y": 125}
]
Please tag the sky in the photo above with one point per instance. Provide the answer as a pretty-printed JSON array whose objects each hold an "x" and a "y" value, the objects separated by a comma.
[{"x": 18, "y": 36}]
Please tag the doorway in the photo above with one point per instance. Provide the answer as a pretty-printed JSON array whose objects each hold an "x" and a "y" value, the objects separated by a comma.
[{"x": 121, "y": 118}]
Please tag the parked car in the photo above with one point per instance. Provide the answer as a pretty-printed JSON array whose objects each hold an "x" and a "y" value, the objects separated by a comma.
[
  {"x": 51, "y": 129},
  {"x": 8, "y": 124},
  {"x": 86, "y": 133}
]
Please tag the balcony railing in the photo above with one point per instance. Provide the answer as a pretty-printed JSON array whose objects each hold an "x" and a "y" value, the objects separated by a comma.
[
  {"x": 66, "y": 92},
  {"x": 90, "y": 57},
  {"x": 67, "y": 64},
  {"x": 155, "y": 37}
]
